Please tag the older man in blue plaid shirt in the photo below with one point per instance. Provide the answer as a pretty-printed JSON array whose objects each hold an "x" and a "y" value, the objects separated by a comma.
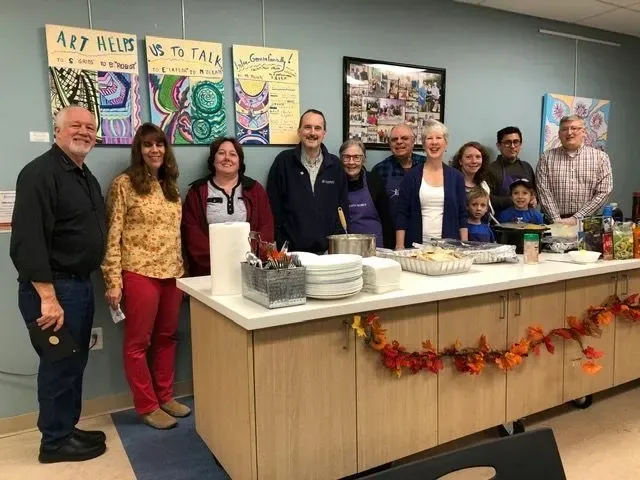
[{"x": 392, "y": 169}]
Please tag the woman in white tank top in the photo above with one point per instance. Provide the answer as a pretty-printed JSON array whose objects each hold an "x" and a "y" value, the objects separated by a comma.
[{"x": 442, "y": 208}]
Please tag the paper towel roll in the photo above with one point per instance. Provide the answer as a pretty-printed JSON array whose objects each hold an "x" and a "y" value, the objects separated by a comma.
[{"x": 228, "y": 246}]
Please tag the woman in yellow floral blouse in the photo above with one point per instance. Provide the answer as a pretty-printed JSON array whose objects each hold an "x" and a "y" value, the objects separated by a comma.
[{"x": 141, "y": 264}]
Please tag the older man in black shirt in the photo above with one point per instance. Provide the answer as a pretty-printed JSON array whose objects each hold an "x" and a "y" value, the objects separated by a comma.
[{"x": 58, "y": 239}]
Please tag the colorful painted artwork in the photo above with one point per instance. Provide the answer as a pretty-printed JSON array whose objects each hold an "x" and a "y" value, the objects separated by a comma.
[
  {"x": 186, "y": 89},
  {"x": 595, "y": 113},
  {"x": 99, "y": 71},
  {"x": 266, "y": 94}
]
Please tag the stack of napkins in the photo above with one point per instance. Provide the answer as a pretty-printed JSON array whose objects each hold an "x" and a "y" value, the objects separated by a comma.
[{"x": 380, "y": 275}]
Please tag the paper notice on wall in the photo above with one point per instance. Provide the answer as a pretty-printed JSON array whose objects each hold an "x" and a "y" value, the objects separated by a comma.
[
  {"x": 7, "y": 201},
  {"x": 266, "y": 94}
]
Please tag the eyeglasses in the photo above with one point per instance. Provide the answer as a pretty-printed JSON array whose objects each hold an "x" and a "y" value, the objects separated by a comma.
[
  {"x": 352, "y": 158},
  {"x": 511, "y": 143},
  {"x": 570, "y": 129}
]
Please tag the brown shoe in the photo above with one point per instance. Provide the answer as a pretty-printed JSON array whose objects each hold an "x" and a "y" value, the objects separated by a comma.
[
  {"x": 159, "y": 419},
  {"x": 176, "y": 409}
]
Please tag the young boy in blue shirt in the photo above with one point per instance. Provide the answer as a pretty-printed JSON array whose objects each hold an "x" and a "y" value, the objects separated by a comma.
[
  {"x": 522, "y": 192},
  {"x": 477, "y": 205}
]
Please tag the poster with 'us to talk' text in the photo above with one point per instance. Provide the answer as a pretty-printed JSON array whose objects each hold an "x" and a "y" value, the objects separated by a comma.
[{"x": 186, "y": 89}]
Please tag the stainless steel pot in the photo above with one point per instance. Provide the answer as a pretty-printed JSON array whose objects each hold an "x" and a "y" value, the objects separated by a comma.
[{"x": 355, "y": 243}]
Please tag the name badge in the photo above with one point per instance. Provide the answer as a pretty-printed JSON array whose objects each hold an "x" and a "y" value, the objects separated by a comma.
[
  {"x": 214, "y": 200},
  {"x": 328, "y": 182}
]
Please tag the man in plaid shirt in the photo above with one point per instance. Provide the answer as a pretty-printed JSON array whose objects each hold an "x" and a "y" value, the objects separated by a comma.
[
  {"x": 391, "y": 170},
  {"x": 574, "y": 180}
]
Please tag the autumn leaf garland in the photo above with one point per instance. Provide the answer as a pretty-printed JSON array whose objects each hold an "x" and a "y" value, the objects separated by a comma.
[{"x": 472, "y": 360}]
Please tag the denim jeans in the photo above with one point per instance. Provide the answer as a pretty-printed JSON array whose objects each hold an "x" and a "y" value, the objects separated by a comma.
[{"x": 60, "y": 382}]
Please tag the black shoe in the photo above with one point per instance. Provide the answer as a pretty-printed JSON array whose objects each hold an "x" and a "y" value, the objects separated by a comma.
[
  {"x": 90, "y": 436},
  {"x": 72, "y": 449}
]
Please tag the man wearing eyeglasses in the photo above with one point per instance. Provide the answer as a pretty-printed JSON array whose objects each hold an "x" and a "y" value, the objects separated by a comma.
[
  {"x": 391, "y": 170},
  {"x": 508, "y": 168},
  {"x": 574, "y": 180}
]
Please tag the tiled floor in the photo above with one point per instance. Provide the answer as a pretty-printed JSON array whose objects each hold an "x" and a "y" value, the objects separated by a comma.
[{"x": 601, "y": 442}]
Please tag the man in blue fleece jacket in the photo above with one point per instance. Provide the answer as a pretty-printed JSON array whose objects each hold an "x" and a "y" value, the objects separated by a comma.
[{"x": 306, "y": 185}]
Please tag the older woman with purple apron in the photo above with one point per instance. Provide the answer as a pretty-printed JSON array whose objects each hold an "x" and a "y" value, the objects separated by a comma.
[{"x": 368, "y": 201}]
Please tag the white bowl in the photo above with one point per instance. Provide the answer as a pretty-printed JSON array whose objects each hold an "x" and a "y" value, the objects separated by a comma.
[{"x": 584, "y": 256}]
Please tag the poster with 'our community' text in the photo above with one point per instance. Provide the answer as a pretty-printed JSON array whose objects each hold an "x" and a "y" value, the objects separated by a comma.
[
  {"x": 186, "y": 89},
  {"x": 266, "y": 95},
  {"x": 97, "y": 70}
]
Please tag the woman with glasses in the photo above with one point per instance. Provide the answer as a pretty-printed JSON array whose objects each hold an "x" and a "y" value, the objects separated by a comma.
[
  {"x": 368, "y": 200},
  {"x": 508, "y": 168}
]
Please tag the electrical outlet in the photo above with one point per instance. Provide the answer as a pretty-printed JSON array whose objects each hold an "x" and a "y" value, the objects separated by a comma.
[{"x": 96, "y": 338}]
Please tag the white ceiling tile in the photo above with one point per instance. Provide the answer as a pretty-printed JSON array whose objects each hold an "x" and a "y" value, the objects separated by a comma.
[
  {"x": 635, "y": 6},
  {"x": 476, "y": 2},
  {"x": 563, "y": 10},
  {"x": 623, "y": 21}
]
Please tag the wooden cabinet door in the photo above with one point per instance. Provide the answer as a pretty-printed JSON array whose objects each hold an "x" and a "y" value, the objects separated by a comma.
[
  {"x": 535, "y": 384},
  {"x": 470, "y": 403},
  {"x": 305, "y": 396},
  {"x": 627, "y": 349},
  {"x": 581, "y": 293},
  {"x": 397, "y": 417}
]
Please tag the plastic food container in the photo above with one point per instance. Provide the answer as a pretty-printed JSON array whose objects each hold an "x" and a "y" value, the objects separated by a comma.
[
  {"x": 584, "y": 256},
  {"x": 531, "y": 248}
]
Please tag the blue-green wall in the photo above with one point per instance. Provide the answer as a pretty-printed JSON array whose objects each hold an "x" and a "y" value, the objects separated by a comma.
[{"x": 498, "y": 68}]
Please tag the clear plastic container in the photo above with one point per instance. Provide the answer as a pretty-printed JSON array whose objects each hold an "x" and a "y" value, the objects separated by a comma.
[{"x": 530, "y": 249}]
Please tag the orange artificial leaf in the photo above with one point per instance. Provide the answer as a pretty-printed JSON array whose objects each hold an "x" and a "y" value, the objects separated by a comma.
[
  {"x": 378, "y": 342},
  {"x": 484, "y": 346},
  {"x": 563, "y": 332},
  {"x": 536, "y": 333},
  {"x": 576, "y": 324},
  {"x": 428, "y": 346},
  {"x": 591, "y": 367},
  {"x": 508, "y": 361},
  {"x": 398, "y": 372},
  {"x": 549, "y": 344},
  {"x": 536, "y": 350},
  {"x": 592, "y": 354},
  {"x": 521, "y": 348},
  {"x": 605, "y": 318}
]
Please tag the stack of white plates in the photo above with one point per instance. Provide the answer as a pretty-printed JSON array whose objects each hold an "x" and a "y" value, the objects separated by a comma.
[
  {"x": 380, "y": 275},
  {"x": 332, "y": 276}
]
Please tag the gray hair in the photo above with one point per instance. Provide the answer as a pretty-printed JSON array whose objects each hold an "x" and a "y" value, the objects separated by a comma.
[
  {"x": 572, "y": 118},
  {"x": 434, "y": 125},
  {"x": 352, "y": 143},
  {"x": 404, "y": 125},
  {"x": 62, "y": 113}
]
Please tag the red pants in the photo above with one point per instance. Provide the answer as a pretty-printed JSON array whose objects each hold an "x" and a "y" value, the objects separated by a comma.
[{"x": 151, "y": 307}]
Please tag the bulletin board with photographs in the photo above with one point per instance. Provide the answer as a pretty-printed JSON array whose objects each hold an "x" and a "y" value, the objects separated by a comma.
[{"x": 379, "y": 95}]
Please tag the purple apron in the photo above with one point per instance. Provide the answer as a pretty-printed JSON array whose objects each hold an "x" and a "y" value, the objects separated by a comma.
[{"x": 363, "y": 216}]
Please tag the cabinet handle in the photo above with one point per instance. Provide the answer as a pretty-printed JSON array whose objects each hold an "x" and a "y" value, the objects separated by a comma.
[
  {"x": 614, "y": 282},
  {"x": 503, "y": 306},
  {"x": 626, "y": 284},
  {"x": 347, "y": 329},
  {"x": 518, "y": 304}
]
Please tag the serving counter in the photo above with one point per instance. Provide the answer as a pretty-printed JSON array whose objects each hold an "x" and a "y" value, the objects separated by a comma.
[{"x": 292, "y": 394}]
